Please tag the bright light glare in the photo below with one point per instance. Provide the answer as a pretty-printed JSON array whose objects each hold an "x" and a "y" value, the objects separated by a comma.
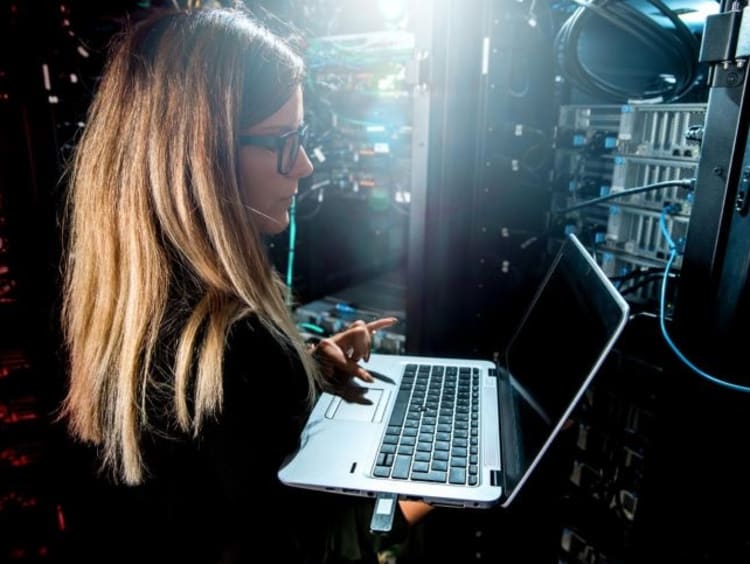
[
  {"x": 708, "y": 8},
  {"x": 392, "y": 9},
  {"x": 699, "y": 13}
]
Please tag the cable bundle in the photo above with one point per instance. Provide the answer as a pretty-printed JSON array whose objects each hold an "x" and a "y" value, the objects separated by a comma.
[{"x": 679, "y": 44}]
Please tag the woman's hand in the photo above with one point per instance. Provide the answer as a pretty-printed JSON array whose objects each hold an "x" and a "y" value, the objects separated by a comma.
[
  {"x": 414, "y": 511},
  {"x": 339, "y": 356}
]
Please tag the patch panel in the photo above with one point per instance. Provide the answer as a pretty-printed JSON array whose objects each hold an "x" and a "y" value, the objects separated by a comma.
[
  {"x": 606, "y": 149},
  {"x": 659, "y": 130},
  {"x": 638, "y": 232}
]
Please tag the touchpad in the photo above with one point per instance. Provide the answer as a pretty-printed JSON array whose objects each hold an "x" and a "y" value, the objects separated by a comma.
[{"x": 340, "y": 409}]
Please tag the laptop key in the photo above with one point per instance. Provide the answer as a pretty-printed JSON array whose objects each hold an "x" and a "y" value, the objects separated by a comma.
[
  {"x": 458, "y": 462},
  {"x": 424, "y": 447},
  {"x": 381, "y": 472},
  {"x": 409, "y": 441},
  {"x": 442, "y": 445},
  {"x": 401, "y": 467},
  {"x": 459, "y": 451},
  {"x": 399, "y": 408},
  {"x": 434, "y": 476},
  {"x": 420, "y": 467},
  {"x": 408, "y": 450},
  {"x": 457, "y": 476},
  {"x": 440, "y": 465}
]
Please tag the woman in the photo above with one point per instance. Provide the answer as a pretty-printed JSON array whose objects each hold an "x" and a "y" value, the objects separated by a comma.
[{"x": 175, "y": 322}]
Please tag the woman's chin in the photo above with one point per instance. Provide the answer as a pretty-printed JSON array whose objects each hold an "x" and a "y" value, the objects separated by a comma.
[{"x": 270, "y": 227}]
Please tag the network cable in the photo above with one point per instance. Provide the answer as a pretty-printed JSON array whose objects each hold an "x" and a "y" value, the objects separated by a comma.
[
  {"x": 686, "y": 183},
  {"x": 290, "y": 256},
  {"x": 673, "y": 251}
]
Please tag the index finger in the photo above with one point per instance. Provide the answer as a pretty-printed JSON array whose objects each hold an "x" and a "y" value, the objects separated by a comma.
[
  {"x": 351, "y": 368},
  {"x": 381, "y": 323}
]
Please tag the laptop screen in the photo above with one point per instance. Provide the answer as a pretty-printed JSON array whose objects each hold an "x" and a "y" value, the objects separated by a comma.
[{"x": 569, "y": 328}]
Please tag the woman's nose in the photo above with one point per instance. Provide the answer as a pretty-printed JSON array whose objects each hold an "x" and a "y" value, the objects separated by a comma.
[{"x": 302, "y": 166}]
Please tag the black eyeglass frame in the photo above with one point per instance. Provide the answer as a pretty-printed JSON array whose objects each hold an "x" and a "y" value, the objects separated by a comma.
[{"x": 277, "y": 143}]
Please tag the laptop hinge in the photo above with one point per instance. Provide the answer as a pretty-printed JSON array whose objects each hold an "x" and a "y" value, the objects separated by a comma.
[{"x": 496, "y": 477}]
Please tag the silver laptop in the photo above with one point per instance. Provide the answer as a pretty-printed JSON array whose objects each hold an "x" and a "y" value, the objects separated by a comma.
[{"x": 463, "y": 432}]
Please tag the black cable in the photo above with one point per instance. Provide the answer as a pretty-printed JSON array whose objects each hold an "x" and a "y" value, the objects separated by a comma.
[
  {"x": 631, "y": 21},
  {"x": 636, "y": 273},
  {"x": 685, "y": 183},
  {"x": 681, "y": 47},
  {"x": 651, "y": 278},
  {"x": 317, "y": 188}
]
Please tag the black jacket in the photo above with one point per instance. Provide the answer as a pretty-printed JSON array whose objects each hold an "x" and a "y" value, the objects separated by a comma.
[{"x": 217, "y": 498}]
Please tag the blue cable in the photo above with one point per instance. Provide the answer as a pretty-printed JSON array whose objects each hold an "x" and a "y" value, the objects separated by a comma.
[
  {"x": 662, "y": 308},
  {"x": 290, "y": 256},
  {"x": 311, "y": 327}
]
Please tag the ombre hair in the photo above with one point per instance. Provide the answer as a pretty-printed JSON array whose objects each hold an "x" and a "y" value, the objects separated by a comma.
[{"x": 160, "y": 240}]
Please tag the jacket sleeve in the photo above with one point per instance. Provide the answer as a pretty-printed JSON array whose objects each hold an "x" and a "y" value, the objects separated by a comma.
[
  {"x": 259, "y": 425},
  {"x": 262, "y": 416}
]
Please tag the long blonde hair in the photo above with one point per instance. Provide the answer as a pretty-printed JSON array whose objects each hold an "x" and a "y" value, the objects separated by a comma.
[{"x": 155, "y": 209}]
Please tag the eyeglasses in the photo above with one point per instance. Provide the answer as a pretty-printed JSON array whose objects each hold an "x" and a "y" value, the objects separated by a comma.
[{"x": 286, "y": 145}]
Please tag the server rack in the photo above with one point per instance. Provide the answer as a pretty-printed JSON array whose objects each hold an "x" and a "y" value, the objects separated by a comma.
[
  {"x": 351, "y": 218},
  {"x": 619, "y": 485}
]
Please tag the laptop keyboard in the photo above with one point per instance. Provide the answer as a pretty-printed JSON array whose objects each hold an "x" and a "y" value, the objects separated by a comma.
[{"x": 433, "y": 432}]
